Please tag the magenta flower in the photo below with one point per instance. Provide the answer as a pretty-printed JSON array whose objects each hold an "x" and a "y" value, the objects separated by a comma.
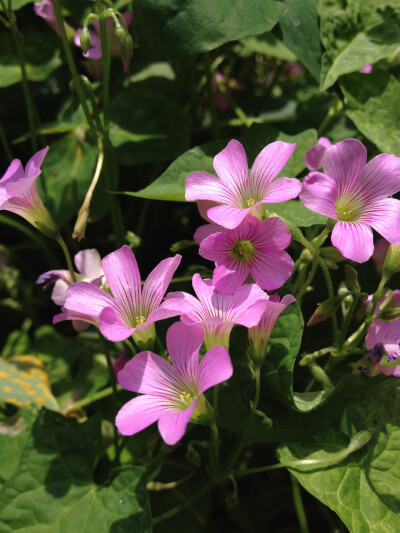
[
  {"x": 384, "y": 338},
  {"x": 129, "y": 311},
  {"x": 19, "y": 193},
  {"x": 216, "y": 312},
  {"x": 45, "y": 9},
  {"x": 367, "y": 69},
  {"x": 94, "y": 51},
  {"x": 236, "y": 193},
  {"x": 259, "y": 335},
  {"x": 254, "y": 248},
  {"x": 315, "y": 155},
  {"x": 356, "y": 195},
  {"x": 88, "y": 263},
  {"x": 171, "y": 394}
]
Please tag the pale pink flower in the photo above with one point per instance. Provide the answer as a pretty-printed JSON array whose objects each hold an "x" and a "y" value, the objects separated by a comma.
[
  {"x": 253, "y": 247},
  {"x": 216, "y": 312},
  {"x": 171, "y": 394},
  {"x": 315, "y": 155},
  {"x": 367, "y": 69},
  {"x": 45, "y": 9},
  {"x": 237, "y": 193},
  {"x": 357, "y": 195},
  {"x": 129, "y": 311}
]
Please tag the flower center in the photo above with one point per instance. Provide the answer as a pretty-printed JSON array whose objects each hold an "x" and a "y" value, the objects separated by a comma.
[
  {"x": 348, "y": 210},
  {"x": 186, "y": 399},
  {"x": 250, "y": 202},
  {"x": 140, "y": 320},
  {"x": 243, "y": 250}
]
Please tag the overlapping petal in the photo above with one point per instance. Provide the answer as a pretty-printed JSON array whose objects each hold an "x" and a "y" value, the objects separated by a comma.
[
  {"x": 319, "y": 193},
  {"x": 231, "y": 166},
  {"x": 139, "y": 413},
  {"x": 172, "y": 425},
  {"x": 384, "y": 216},
  {"x": 113, "y": 326},
  {"x": 215, "y": 367},
  {"x": 203, "y": 186},
  {"x": 184, "y": 349},
  {"x": 354, "y": 240},
  {"x": 157, "y": 283},
  {"x": 282, "y": 189}
]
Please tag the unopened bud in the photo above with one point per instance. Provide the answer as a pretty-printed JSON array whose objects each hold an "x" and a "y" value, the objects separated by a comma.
[
  {"x": 389, "y": 315},
  {"x": 351, "y": 279},
  {"x": 133, "y": 240},
  {"x": 332, "y": 253},
  {"x": 324, "y": 310},
  {"x": 392, "y": 261},
  {"x": 120, "y": 34},
  {"x": 85, "y": 39},
  {"x": 127, "y": 51},
  {"x": 81, "y": 223},
  {"x": 181, "y": 245}
]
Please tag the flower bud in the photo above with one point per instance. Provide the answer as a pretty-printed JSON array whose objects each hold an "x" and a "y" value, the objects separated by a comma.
[
  {"x": 351, "y": 279},
  {"x": 324, "y": 310},
  {"x": 85, "y": 39},
  {"x": 120, "y": 34},
  {"x": 81, "y": 223},
  {"x": 392, "y": 261}
]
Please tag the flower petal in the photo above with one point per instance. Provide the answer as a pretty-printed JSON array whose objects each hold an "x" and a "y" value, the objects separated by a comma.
[
  {"x": 269, "y": 162},
  {"x": 205, "y": 231},
  {"x": 183, "y": 344},
  {"x": 272, "y": 269},
  {"x": 23, "y": 196},
  {"x": 354, "y": 240},
  {"x": 88, "y": 262},
  {"x": 315, "y": 155},
  {"x": 227, "y": 278},
  {"x": 84, "y": 297},
  {"x": 319, "y": 193},
  {"x": 384, "y": 217},
  {"x": 202, "y": 186},
  {"x": 157, "y": 283},
  {"x": 123, "y": 277},
  {"x": 32, "y": 169},
  {"x": 344, "y": 162},
  {"x": 149, "y": 373},
  {"x": 227, "y": 216},
  {"x": 74, "y": 316},
  {"x": 246, "y": 305},
  {"x": 215, "y": 367},
  {"x": 273, "y": 234},
  {"x": 231, "y": 167},
  {"x": 112, "y": 326},
  {"x": 172, "y": 425},
  {"x": 380, "y": 178},
  {"x": 14, "y": 172},
  {"x": 139, "y": 413},
  {"x": 282, "y": 189}
]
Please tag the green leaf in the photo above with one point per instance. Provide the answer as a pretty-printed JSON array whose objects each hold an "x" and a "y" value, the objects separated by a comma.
[
  {"x": 299, "y": 25},
  {"x": 183, "y": 28},
  {"x": 297, "y": 213},
  {"x": 153, "y": 129},
  {"x": 42, "y": 56},
  {"x": 362, "y": 32},
  {"x": 267, "y": 44},
  {"x": 363, "y": 489},
  {"x": 171, "y": 184},
  {"x": 371, "y": 103},
  {"x": 53, "y": 491},
  {"x": 17, "y": 4}
]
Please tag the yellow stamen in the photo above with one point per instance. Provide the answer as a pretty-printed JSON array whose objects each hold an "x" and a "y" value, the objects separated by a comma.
[{"x": 250, "y": 202}]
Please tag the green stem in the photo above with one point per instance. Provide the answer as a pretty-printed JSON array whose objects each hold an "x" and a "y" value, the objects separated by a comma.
[
  {"x": 329, "y": 286},
  {"x": 215, "y": 446},
  {"x": 346, "y": 321},
  {"x": 334, "y": 110},
  {"x": 5, "y": 144},
  {"x": 91, "y": 399},
  {"x": 308, "y": 281},
  {"x": 72, "y": 67},
  {"x": 179, "y": 508},
  {"x": 105, "y": 61},
  {"x": 67, "y": 255},
  {"x": 298, "y": 503}
]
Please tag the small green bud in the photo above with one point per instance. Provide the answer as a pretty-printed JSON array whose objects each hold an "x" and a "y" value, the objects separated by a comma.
[
  {"x": 389, "y": 315},
  {"x": 85, "y": 39},
  {"x": 392, "y": 261},
  {"x": 351, "y": 279},
  {"x": 133, "y": 240},
  {"x": 120, "y": 34},
  {"x": 182, "y": 245},
  {"x": 324, "y": 310}
]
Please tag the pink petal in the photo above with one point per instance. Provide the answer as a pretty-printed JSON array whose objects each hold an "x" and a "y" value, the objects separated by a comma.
[
  {"x": 74, "y": 316},
  {"x": 246, "y": 305},
  {"x": 282, "y": 189},
  {"x": 231, "y": 167},
  {"x": 344, "y": 162},
  {"x": 183, "y": 344},
  {"x": 217, "y": 247},
  {"x": 271, "y": 270},
  {"x": 202, "y": 186},
  {"x": 203, "y": 206},
  {"x": 273, "y": 234},
  {"x": 268, "y": 164},
  {"x": 204, "y": 290},
  {"x": 181, "y": 303},
  {"x": 140, "y": 413},
  {"x": 354, "y": 240},
  {"x": 84, "y": 297},
  {"x": 123, "y": 277},
  {"x": 59, "y": 292},
  {"x": 23, "y": 196},
  {"x": 315, "y": 155},
  {"x": 227, "y": 216},
  {"x": 384, "y": 217},
  {"x": 88, "y": 262},
  {"x": 148, "y": 373},
  {"x": 172, "y": 425},
  {"x": 205, "y": 231},
  {"x": 228, "y": 278},
  {"x": 215, "y": 367},
  {"x": 13, "y": 173},
  {"x": 380, "y": 178},
  {"x": 32, "y": 169},
  {"x": 319, "y": 193},
  {"x": 112, "y": 326},
  {"x": 157, "y": 283}
]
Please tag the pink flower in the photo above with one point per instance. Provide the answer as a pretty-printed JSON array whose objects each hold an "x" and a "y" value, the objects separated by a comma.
[
  {"x": 88, "y": 263},
  {"x": 260, "y": 334},
  {"x": 19, "y": 193},
  {"x": 254, "y": 248},
  {"x": 94, "y": 51},
  {"x": 45, "y": 9},
  {"x": 315, "y": 155},
  {"x": 356, "y": 195},
  {"x": 171, "y": 394},
  {"x": 220, "y": 99},
  {"x": 129, "y": 311},
  {"x": 235, "y": 192},
  {"x": 367, "y": 69},
  {"x": 216, "y": 312}
]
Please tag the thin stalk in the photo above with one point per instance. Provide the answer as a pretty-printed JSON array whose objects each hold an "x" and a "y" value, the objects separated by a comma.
[
  {"x": 67, "y": 255},
  {"x": 346, "y": 321},
  {"x": 72, "y": 67},
  {"x": 105, "y": 61},
  {"x": 179, "y": 508},
  {"x": 298, "y": 504},
  {"x": 215, "y": 446},
  {"x": 308, "y": 281},
  {"x": 334, "y": 110},
  {"x": 329, "y": 286},
  {"x": 5, "y": 144},
  {"x": 91, "y": 399}
]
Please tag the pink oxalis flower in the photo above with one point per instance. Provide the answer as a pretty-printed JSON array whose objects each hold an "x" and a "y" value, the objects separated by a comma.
[
  {"x": 216, "y": 312},
  {"x": 171, "y": 394},
  {"x": 45, "y": 9},
  {"x": 315, "y": 155},
  {"x": 254, "y": 248},
  {"x": 129, "y": 311},
  {"x": 19, "y": 193},
  {"x": 356, "y": 194},
  {"x": 259, "y": 335},
  {"x": 235, "y": 192}
]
